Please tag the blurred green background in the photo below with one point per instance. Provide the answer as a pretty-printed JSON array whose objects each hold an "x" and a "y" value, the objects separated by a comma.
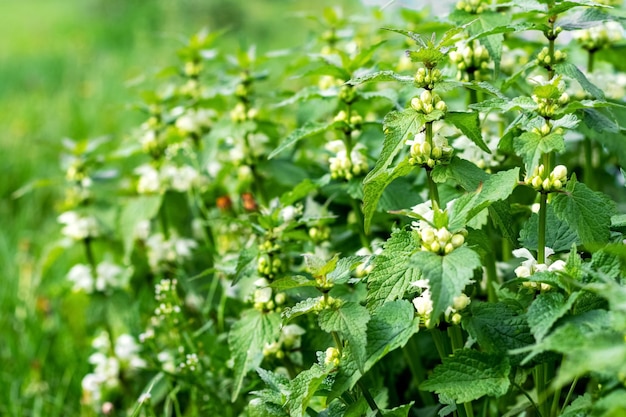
[{"x": 69, "y": 68}]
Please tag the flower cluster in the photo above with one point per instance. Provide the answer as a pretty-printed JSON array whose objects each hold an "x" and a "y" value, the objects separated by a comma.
[
  {"x": 547, "y": 61},
  {"x": 424, "y": 304},
  {"x": 77, "y": 226},
  {"x": 332, "y": 356},
  {"x": 600, "y": 36},
  {"x": 530, "y": 266},
  {"x": 439, "y": 241},
  {"x": 471, "y": 59},
  {"x": 110, "y": 364},
  {"x": 472, "y": 6},
  {"x": 427, "y": 78},
  {"x": 548, "y": 106},
  {"x": 163, "y": 252},
  {"x": 108, "y": 276},
  {"x": 427, "y": 102},
  {"x": 547, "y": 183},
  {"x": 344, "y": 165},
  {"x": 168, "y": 176},
  {"x": 264, "y": 298},
  {"x": 425, "y": 154}
]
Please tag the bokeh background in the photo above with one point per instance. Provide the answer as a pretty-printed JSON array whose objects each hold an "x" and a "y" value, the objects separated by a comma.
[{"x": 73, "y": 69}]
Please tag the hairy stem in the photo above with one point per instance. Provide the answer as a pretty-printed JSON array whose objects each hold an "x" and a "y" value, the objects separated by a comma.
[{"x": 432, "y": 185}]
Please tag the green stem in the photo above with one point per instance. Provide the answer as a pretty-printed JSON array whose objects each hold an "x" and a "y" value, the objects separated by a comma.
[
  {"x": 440, "y": 343},
  {"x": 432, "y": 185},
  {"x": 523, "y": 391},
  {"x": 360, "y": 224},
  {"x": 587, "y": 144},
  {"x": 366, "y": 394},
  {"x": 456, "y": 337},
  {"x": 541, "y": 239},
  {"x": 412, "y": 357},
  {"x": 541, "y": 385},
  {"x": 569, "y": 394},
  {"x": 473, "y": 94},
  {"x": 492, "y": 278},
  {"x": 91, "y": 260}
]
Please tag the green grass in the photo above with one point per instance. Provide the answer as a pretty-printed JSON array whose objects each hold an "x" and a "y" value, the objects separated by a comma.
[{"x": 65, "y": 67}]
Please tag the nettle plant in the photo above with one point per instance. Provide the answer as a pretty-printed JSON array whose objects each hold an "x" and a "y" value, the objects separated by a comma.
[{"x": 386, "y": 222}]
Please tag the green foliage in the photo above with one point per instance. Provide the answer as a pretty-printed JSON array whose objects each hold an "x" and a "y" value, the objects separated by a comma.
[
  {"x": 334, "y": 228},
  {"x": 468, "y": 375}
]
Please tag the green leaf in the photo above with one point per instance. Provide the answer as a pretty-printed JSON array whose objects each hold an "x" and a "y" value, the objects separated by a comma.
[
  {"x": 497, "y": 187},
  {"x": 246, "y": 257},
  {"x": 589, "y": 17},
  {"x": 246, "y": 340},
  {"x": 397, "y": 126},
  {"x": 393, "y": 273},
  {"x": 569, "y": 335},
  {"x": 375, "y": 187},
  {"x": 462, "y": 171},
  {"x": 559, "y": 235},
  {"x": 447, "y": 275},
  {"x": 401, "y": 411},
  {"x": 570, "y": 70},
  {"x": 546, "y": 309},
  {"x": 390, "y": 327},
  {"x": 380, "y": 76},
  {"x": 350, "y": 321},
  {"x": 303, "y": 387},
  {"x": 580, "y": 407},
  {"x": 497, "y": 327},
  {"x": 469, "y": 124},
  {"x": 300, "y": 191},
  {"x": 530, "y": 146},
  {"x": 469, "y": 375},
  {"x": 134, "y": 211},
  {"x": 309, "y": 129},
  {"x": 586, "y": 211},
  {"x": 302, "y": 307},
  {"x": 291, "y": 282}
]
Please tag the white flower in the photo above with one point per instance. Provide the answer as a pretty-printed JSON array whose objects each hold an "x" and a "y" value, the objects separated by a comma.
[
  {"x": 531, "y": 266},
  {"x": 108, "y": 275},
  {"x": 126, "y": 347},
  {"x": 82, "y": 278},
  {"x": 424, "y": 305},
  {"x": 78, "y": 227},
  {"x": 102, "y": 342},
  {"x": 149, "y": 181}
]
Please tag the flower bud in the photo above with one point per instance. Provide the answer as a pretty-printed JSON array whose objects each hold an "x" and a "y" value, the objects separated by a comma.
[
  {"x": 426, "y": 97},
  {"x": 426, "y": 149},
  {"x": 435, "y": 247},
  {"x": 460, "y": 302},
  {"x": 545, "y": 130},
  {"x": 448, "y": 248},
  {"x": 559, "y": 172},
  {"x": 437, "y": 152},
  {"x": 428, "y": 236},
  {"x": 457, "y": 240},
  {"x": 416, "y": 104},
  {"x": 536, "y": 182},
  {"x": 557, "y": 184},
  {"x": 443, "y": 235}
]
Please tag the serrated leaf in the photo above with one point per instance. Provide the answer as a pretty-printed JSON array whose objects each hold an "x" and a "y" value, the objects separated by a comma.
[
  {"x": 569, "y": 335},
  {"x": 390, "y": 327},
  {"x": 350, "y": 321},
  {"x": 497, "y": 327},
  {"x": 469, "y": 375},
  {"x": 309, "y": 129},
  {"x": 586, "y": 211},
  {"x": 397, "y": 126},
  {"x": 302, "y": 307},
  {"x": 307, "y": 94},
  {"x": 497, "y": 187},
  {"x": 375, "y": 187},
  {"x": 589, "y": 17},
  {"x": 380, "y": 76},
  {"x": 447, "y": 275},
  {"x": 463, "y": 172},
  {"x": 469, "y": 124},
  {"x": 401, "y": 411},
  {"x": 546, "y": 309},
  {"x": 276, "y": 382},
  {"x": 291, "y": 282},
  {"x": 303, "y": 388},
  {"x": 559, "y": 235},
  {"x": 392, "y": 274},
  {"x": 133, "y": 212},
  {"x": 580, "y": 407},
  {"x": 570, "y": 70},
  {"x": 386, "y": 94},
  {"x": 246, "y": 256},
  {"x": 530, "y": 146},
  {"x": 246, "y": 340}
]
